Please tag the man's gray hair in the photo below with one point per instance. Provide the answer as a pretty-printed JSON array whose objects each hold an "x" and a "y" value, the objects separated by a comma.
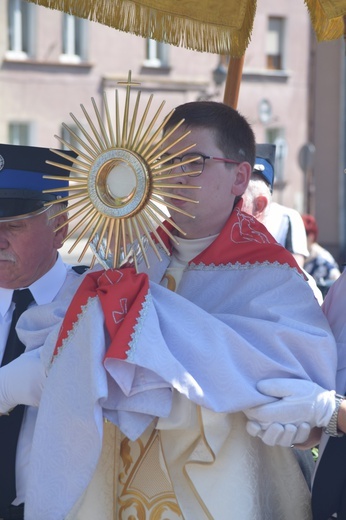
[
  {"x": 257, "y": 187},
  {"x": 53, "y": 210}
]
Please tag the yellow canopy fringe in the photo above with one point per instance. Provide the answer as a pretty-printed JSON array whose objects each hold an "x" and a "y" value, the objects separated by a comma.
[
  {"x": 327, "y": 18},
  {"x": 217, "y": 26},
  {"x": 222, "y": 27}
]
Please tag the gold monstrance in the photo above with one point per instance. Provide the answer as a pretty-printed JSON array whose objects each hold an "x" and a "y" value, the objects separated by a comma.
[{"x": 119, "y": 179}]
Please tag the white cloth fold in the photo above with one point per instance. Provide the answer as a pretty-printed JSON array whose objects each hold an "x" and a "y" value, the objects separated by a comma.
[
  {"x": 227, "y": 340},
  {"x": 70, "y": 421},
  {"x": 243, "y": 312}
]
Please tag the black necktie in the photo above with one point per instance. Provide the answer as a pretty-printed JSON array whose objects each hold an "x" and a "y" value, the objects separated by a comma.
[
  {"x": 10, "y": 424},
  {"x": 329, "y": 488}
]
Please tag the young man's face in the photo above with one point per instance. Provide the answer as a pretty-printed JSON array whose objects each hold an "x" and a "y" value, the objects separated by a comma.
[
  {"x": 28, "y": 249},
  {"x": 219, "y": 183}
]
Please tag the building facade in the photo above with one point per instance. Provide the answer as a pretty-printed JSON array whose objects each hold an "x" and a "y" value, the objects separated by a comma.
[{"x": 51, "y": 63}]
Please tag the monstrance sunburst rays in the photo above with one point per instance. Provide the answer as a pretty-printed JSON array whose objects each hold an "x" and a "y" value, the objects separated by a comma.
[{"x": 119, "y": 179}]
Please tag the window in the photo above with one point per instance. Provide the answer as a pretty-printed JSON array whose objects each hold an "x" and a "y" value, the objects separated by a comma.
[
  {"x": 156, "y": 54},
  {"x": 65, "y": 134},
  {"x": 20, "y": 29},
  {"x": 274, "y": 43},
  {"x": 19, "y": 133},
  {"x": 277, "y": 136},
  {"x": 74, "y": 39}
]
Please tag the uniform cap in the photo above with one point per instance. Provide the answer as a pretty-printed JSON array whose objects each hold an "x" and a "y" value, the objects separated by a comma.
[
  {"x": 265, "y": 162},
  {"x": 21, "y": 179}
]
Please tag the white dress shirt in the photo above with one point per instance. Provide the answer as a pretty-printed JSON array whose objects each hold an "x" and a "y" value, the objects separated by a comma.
[
  {"x": 44, "y": 291},
  {"x": 277, "y": 223}
]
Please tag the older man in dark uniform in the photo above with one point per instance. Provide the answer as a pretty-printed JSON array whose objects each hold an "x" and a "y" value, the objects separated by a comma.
[{"x": 31, "y": 273}]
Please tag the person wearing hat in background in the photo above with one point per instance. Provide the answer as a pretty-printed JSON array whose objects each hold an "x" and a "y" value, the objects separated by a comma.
[
  {"x": 320, "y": 264},
  {"x": 258, "y": 195},
  {"x": 257, "y": 201},
  {"x": 284, "y": 223},
  {"x": 29, "y": 260}
]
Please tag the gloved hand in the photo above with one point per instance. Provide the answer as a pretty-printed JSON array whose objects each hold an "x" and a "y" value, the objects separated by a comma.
[
  {"x": 22, "y": 381},
  {"x": 278, "y": 434},
  {"x": 300, "y": 405}
]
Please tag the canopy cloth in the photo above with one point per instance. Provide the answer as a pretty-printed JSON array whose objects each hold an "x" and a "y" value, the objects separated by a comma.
[{"x": 216, "y": 26}]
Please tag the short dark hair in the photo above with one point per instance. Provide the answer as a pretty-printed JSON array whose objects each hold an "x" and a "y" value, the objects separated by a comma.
[{"x": 233, "y": 133}]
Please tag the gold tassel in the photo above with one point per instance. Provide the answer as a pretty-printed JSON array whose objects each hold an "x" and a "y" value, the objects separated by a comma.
[
  {"x": 325, "y": 27},
  {"x": 218, "y": 35},
  {"x": 223, "y": 30}
]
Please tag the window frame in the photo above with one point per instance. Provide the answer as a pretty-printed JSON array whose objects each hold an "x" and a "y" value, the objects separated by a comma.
[
  {"x": 277, "y": 136},
  {"x": 276, "y": 61},
  {"x": 156, "y": 54},
  {"x": 21, "y": 19},
  {"x": 74, "y": 39},
  {"x": 15, "y": 132}
]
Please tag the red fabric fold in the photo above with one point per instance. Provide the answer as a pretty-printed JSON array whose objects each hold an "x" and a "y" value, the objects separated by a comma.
[
  {"x": 122, "y": 294},
  {"x": 240, "y": 241}
]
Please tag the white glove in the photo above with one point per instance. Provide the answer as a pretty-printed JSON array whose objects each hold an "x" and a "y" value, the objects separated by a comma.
[
  {"x": 300, "y": 405},
  {"x": 22, "y": 381},
  {"x": 278, "y": 434}
]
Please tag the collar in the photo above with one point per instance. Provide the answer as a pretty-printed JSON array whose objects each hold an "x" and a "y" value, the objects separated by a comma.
[
  {"x": 187, "y": 249},
  {"x": 5, "y": 300},
  {"x": 43, "y": 290},
  {"x": 242, "y": 241}
]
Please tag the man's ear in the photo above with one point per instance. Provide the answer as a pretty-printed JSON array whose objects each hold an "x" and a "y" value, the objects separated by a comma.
[
  {"x": 61, "y": 233},
  {"x": 242, "y": 179},
  {"x": 259, "y": 205}
]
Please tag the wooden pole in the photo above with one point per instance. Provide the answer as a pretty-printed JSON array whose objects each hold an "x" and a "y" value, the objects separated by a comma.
[{"x": 233, "y": 80}]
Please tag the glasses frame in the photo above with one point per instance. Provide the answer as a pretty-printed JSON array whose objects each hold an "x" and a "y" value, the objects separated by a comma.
[{"x": 185, "y": 157}]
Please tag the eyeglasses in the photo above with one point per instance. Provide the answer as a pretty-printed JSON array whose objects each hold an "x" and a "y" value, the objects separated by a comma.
[{"x": 193, "y": 163}]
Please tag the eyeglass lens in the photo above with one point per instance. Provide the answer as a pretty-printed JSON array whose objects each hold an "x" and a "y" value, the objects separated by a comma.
[{"x": 194, "y": 167}]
